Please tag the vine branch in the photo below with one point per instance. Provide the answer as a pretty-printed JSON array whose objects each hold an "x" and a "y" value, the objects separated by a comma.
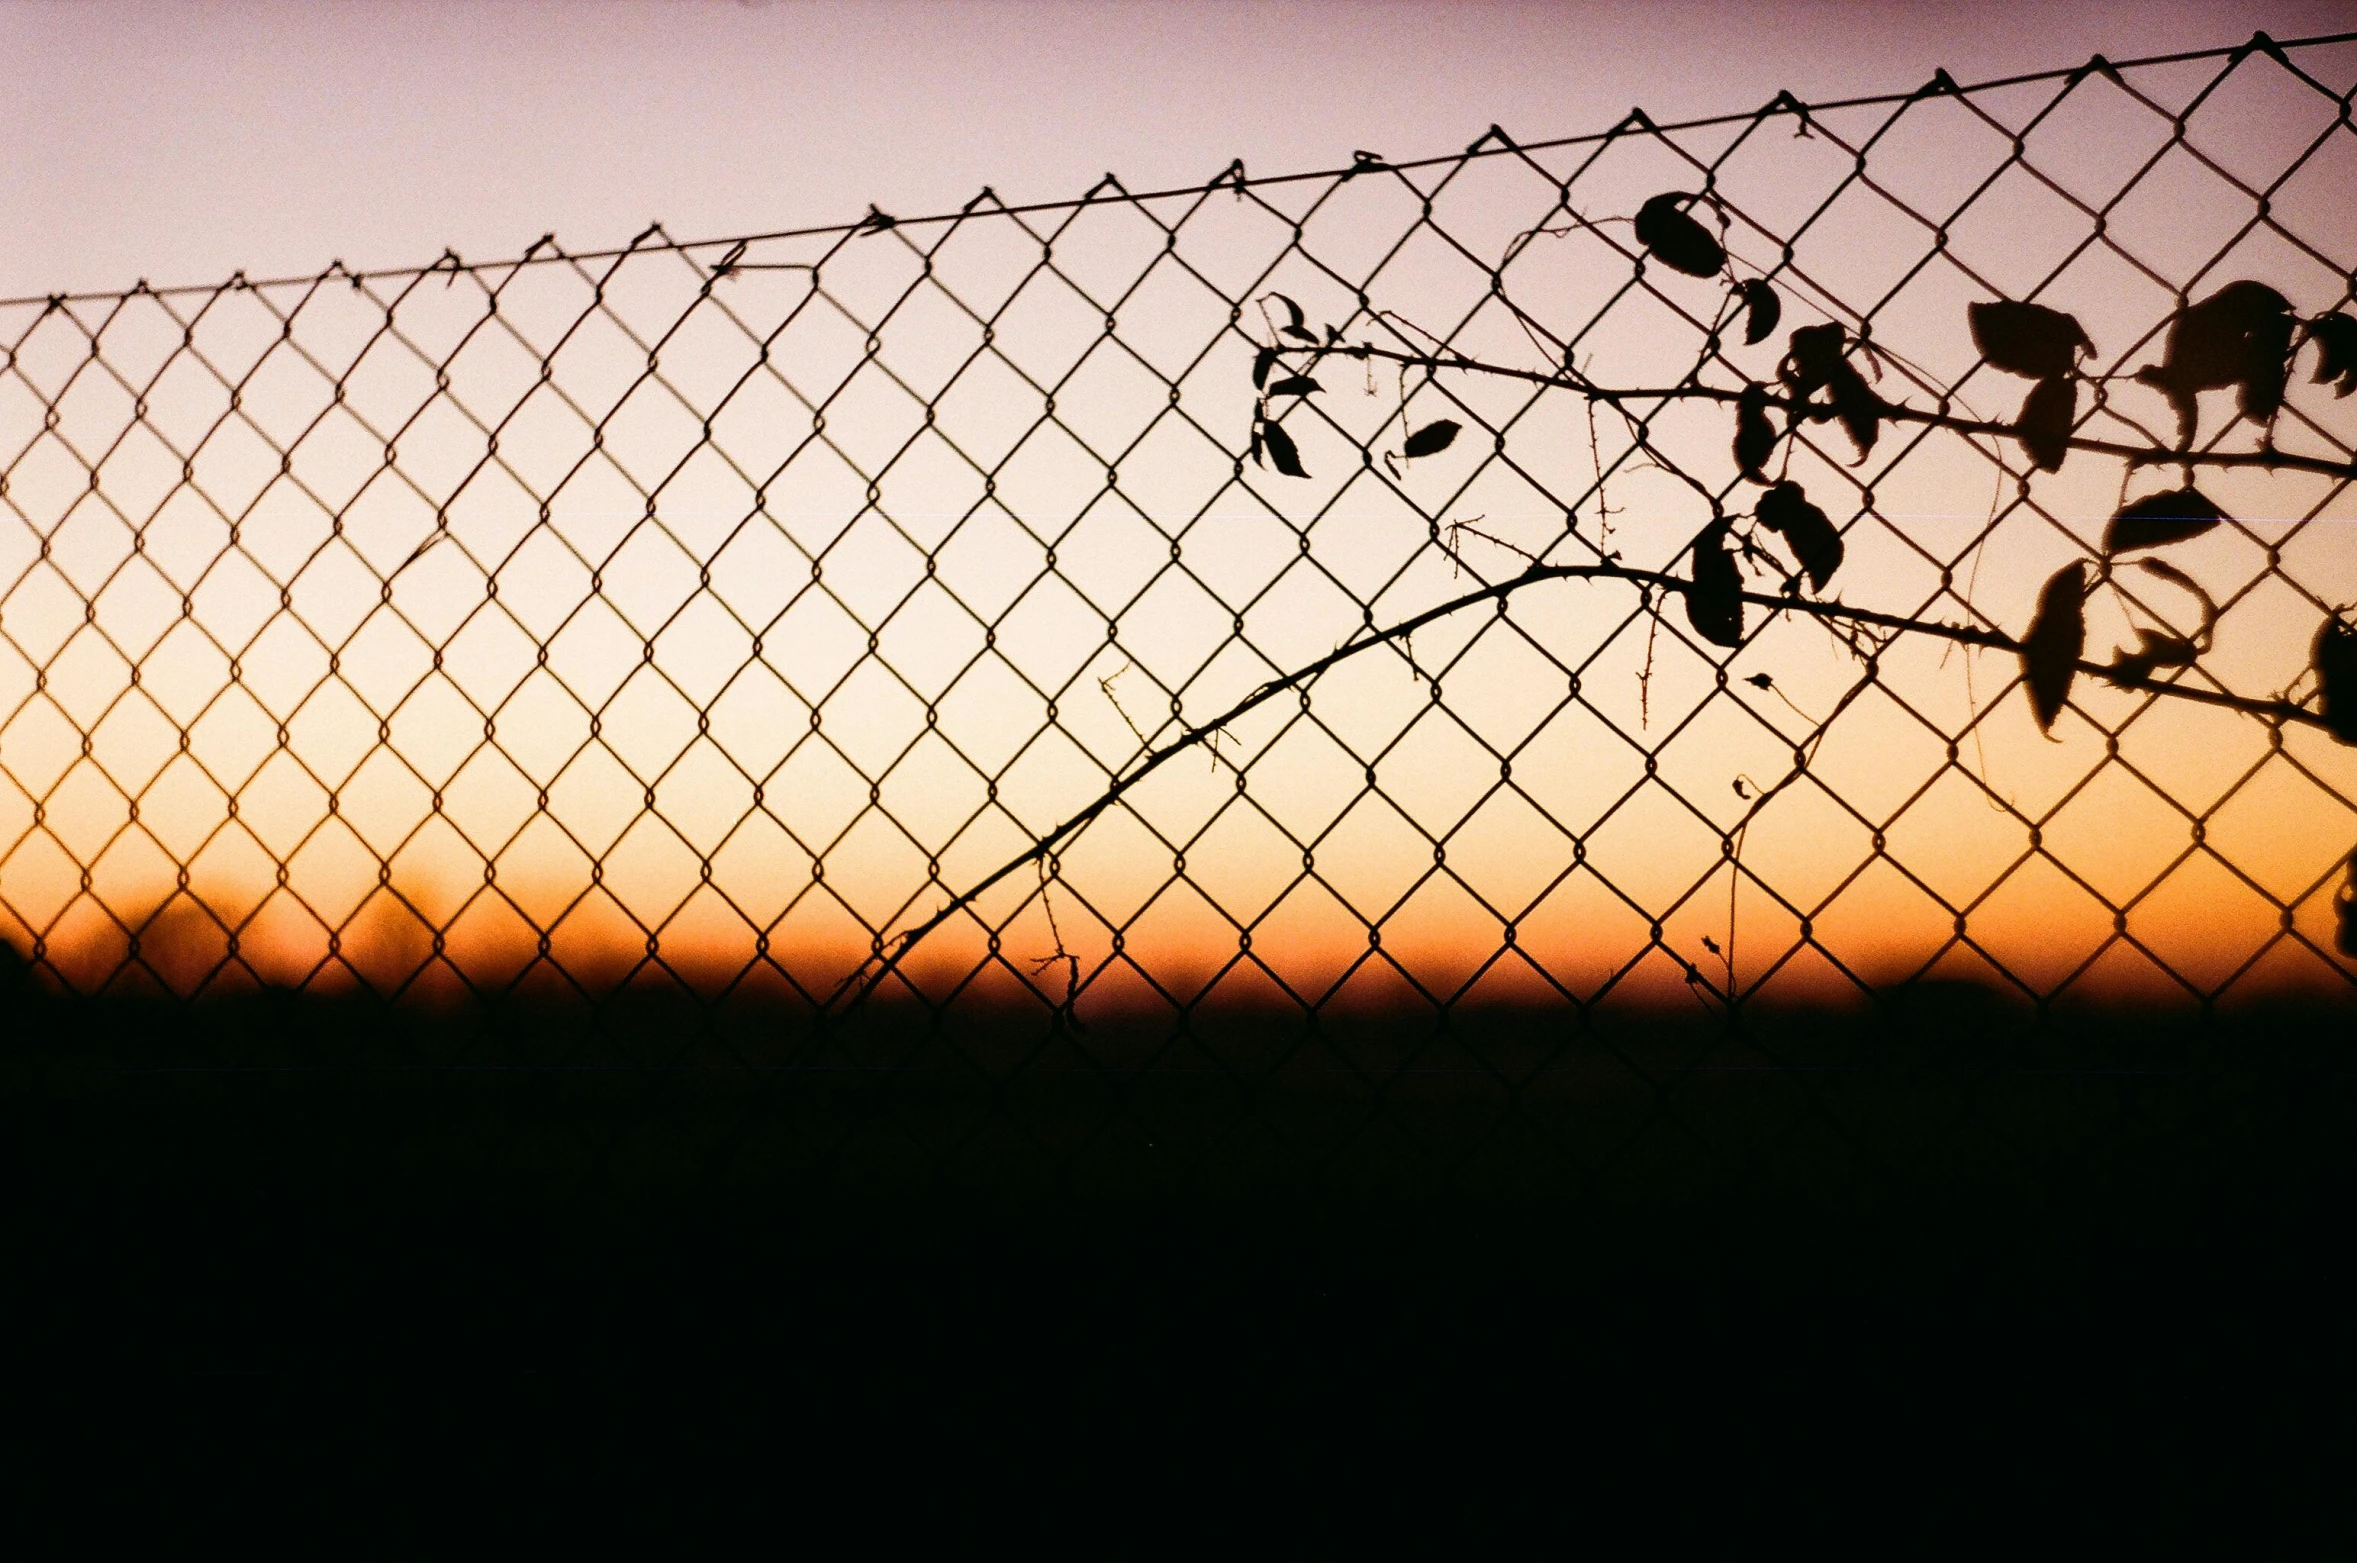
[
  {"x": 1995, "y": 640},
  {"x": 2135, "y": 455}
]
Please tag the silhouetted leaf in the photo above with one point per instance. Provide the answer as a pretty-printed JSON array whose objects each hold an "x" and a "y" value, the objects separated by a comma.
[
  {"x": 2261, "y": 395},
  {"x": 2028, "y": 339},
  {"x": 1256, "y": 443},
  {"x": 2186, "y": 583},
  {"x": 1431, "y": 439},
  {"x": 1762, "y": 309},
  {"x": 1262, "y": 362},
  {"x": 2050, "y": 651},
  {"x": 1283, "y": 453},
  {"x": 1814, "y": 361},
  {"x": 2174, "y": 576},
  {"x": 1295, "y": 385},
  {"x": 1815, "y": 541},
  {"x": 1677, "y": 239},
  {"x": 2241, "y": 336},
  {"x": 2335, "y": 337},
  {"x": 1296, "y": 323},
  {"x": 1755, "y": 437},
  {"x": 1858, "y": 408},
  {"x": 2134, "y": 669},
  {"x": 2129, "y": 670},
  {"x": 1715, "y": 606},
  {"x": 2044, "y": 427},
  {"x": 1812, "y": 357},
  {"x": 2157, "y": 520},
  {"x": 2334, "y": 658}
]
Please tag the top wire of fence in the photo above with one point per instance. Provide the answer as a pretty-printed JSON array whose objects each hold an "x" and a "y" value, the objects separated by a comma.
[{"x": 1621, "y": 564}]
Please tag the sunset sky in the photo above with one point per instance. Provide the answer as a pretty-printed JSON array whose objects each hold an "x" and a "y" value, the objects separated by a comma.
[
  {"x": 182, "y": 143},
  {"x": 179, "y": 145}
]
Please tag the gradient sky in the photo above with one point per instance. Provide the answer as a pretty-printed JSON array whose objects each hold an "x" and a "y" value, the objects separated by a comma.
[{"x": 181, "y": 143}]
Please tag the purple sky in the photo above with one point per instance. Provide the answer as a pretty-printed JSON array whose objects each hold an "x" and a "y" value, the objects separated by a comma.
[{"x": 180, "y": 143}]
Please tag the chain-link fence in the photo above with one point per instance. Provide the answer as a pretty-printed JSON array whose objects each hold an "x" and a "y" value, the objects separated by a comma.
[{"x": 614, "y": 662}]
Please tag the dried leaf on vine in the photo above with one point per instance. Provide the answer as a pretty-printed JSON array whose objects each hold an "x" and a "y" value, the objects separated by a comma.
[
  {"x": 1295, "y": 385},
  {"x": 2050, "y": 651},
  {"x": 1858, "y": 408},
  {"x": 1812, "y": 357},
  {"x": 1680, "y": 242},
  {"x": 2167, "y": 651},
  {"x": 2157, "y": 520},
  {"x": 1762, "y": 309},
  {"x": 1714, "y": 606},
  {"x": 2028, "y": 339},
  {"x": 2186, "y": 583},
  {"x": 1282, "y": 451},
  {"x": 2241, "y": 336},
  {"x": 1755, "y": 436},
  {"x": 1431, "y": 439},
  {"x": 1262, "y": 362},
  {"x": 2261, "y": 395},
  {"x": 1296, "y": 323},
  {"x": 2047, "y": 417},
  {"x": 1815, "y": 541},
  {"x": 2335, "y": 337},
  {"x": 2334, "y": 659},
  {"x": 2134, "y": 669}
]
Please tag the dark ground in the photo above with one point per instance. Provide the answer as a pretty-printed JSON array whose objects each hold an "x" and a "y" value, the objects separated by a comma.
[{"x": 1946, "y": 1215}]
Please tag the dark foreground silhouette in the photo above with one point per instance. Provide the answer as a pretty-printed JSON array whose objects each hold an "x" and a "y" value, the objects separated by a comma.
[{"x": 2118, "y": 1209}]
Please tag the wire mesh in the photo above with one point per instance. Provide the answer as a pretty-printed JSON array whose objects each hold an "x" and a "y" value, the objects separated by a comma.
[{"x": 702, "y": 618}]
